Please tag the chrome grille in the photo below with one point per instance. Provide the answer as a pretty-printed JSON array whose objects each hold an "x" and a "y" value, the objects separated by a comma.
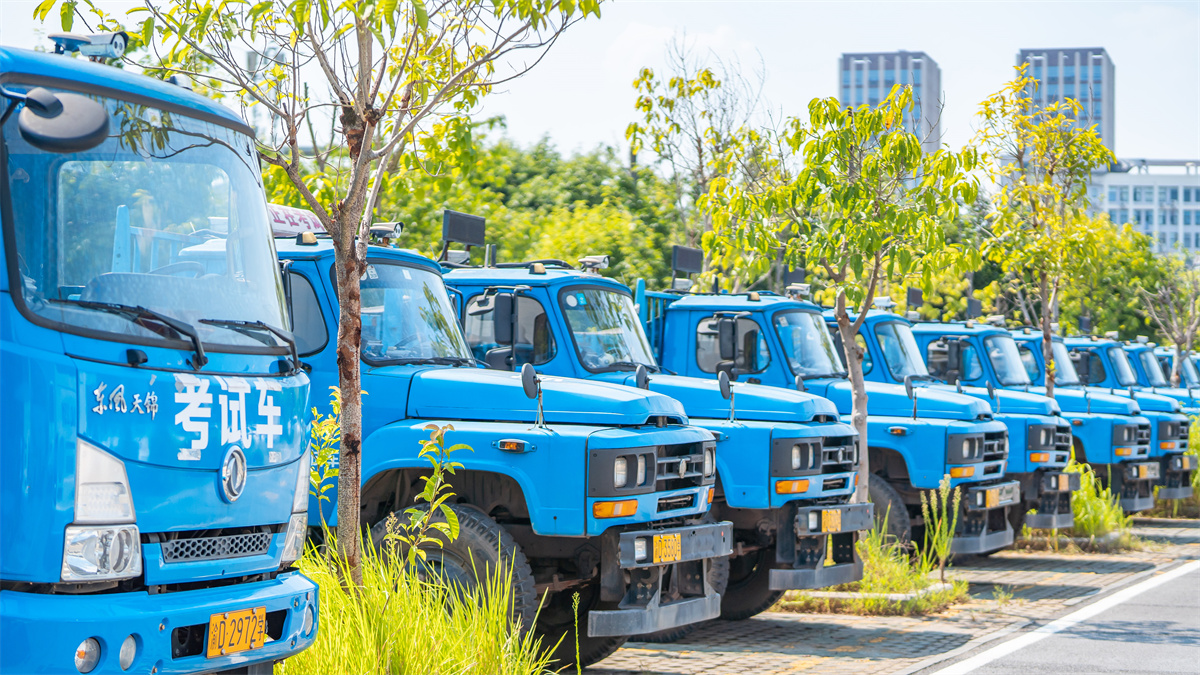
[
  {"x": 995, "y": 446},
  {"x": 1143, "y": 439},
  {"x": 215, "y": 548},
  {"x": 668, "y": 460}
]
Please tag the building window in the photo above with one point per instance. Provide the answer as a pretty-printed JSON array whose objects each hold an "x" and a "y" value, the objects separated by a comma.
[
  {"x": 1125, "y": 193},
  {"x": 1163, "y": 194},
  {"x": 1114, "y": 194},
  {"x": 1143, "y": 193},
  {"x": 1187, "y": 239},
  {"x": 1097, "y": 72},
  {"x": 1162, "y": 217},
  {"x": 1187, "y": 217},
  {"x": 1124, "y": 216},
  {"x": 1187, "y": 194},
  {"x": 1174, "y": 194}
]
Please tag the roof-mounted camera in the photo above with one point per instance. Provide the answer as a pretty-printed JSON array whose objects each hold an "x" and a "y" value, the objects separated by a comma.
[
  {"x": 592, "y": 264},
  {"x": 96, "y": 47}
]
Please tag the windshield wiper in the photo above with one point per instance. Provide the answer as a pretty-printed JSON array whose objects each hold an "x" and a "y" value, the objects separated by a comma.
[
  {"x": 248, "y": 329},
  {"x": 436, "y": 360},
  {"x": 137, "y": 313},
  {"x": 615, "y": 365}
]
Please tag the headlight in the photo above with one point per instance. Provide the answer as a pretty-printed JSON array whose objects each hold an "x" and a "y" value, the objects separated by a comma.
[
  {"x": 620, "y": 472},
  {"x": 641, "y": 469},
  {"x": 101, "y": 553},
  {"x": 101, "y": 488},
  {"x": 796, "y": 457},
  {"x": 300, "y": 500},
  {"x": 293, "y": 543},
  {"x": 966, "y": 448},
  {"x": 962, "y": 448},
  {"x": 87, "y": 655},
  {"x": 1047, "y": 437},
  {"x": 708, "y": 462}
]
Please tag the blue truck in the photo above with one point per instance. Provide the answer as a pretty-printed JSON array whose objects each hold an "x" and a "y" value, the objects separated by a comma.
[
  {"x": 786, "y": 466},
  {"x": 1189, "y": 372},
  {"x": 570, "y": 487},
  {"x": 930, "y": 353},
  {"x": 1151, "y": 378},
  {"x": 783, "y": 343},
  {"x": 129, "y": 542}
]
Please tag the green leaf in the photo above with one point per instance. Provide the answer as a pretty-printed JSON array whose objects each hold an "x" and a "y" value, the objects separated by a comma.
[
  {"x": 422, "y": 15},
  {"x": 66, "y": 14}
]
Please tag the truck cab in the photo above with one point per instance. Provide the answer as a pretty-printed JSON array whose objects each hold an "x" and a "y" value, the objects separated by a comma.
[
  {"x": 786, "y": 467},
  {"x": 1151, "y": 378},
  {"x": 783, "y": 343},
  {"x": 587, "y": 487},
  {"x": 1189, "y": 372},
  {"x": 929, "y": 355},
  {"x": 130, "y": 542}
]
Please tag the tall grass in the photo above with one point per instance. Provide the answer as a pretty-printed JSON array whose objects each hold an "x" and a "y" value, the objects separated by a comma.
[
  {"x": 1097, "y": 509},
  {"x": 940, "y": 510},
  {"x": 395, "y": 624}
]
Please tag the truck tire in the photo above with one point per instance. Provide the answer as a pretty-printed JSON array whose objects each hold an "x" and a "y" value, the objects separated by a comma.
[
  {"x": 556, "y": 627},
  {"x": 718, "y": 578},
  {"x": 889, "y": 506},
  {"x": 482, "y": 548},
  {"x": 748, "y": 592}
]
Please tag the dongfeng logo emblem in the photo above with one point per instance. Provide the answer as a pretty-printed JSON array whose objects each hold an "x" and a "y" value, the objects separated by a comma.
[
  {"x": 233, "y": 474},
  {"x": 683, "y": 464}
]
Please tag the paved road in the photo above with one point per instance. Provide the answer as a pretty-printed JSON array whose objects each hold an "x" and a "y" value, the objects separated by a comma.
[{"x": 1155, "y": 631}]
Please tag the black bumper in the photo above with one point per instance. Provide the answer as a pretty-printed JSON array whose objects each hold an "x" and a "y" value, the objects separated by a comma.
[
  {"x": 813, "y": 526},
  {"x": 1134, "y": 482},
  {"x": 1177, "y": 469},
  {"x": 983, "y": 525},
  {"x": 642, "y": 609},
  {"x": 1048, "y": 493}
]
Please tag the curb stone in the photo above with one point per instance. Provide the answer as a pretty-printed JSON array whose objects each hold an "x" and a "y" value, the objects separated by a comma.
[{"x": 898, "y": 597}]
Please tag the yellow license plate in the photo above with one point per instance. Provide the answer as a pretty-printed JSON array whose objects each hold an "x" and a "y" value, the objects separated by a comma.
[
  {"x": 232, "y": 632},
  {"x": 1186, "y": 462},
  {"x": 667, "y": 548},
  {"x": 1143, "y": 470},
  {"x": 992, "y": 499},
  {"x": 1064, "y": 483},
  {"x": 831, "y": 520}
]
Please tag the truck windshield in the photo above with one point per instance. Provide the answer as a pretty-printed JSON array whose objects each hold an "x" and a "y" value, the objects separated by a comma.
[
  {"x": 1190, "y": 374},
  {"x": 407, "y": 317},
  {"x": 1006, "y": 360},
  {"x": 1121, "y": 366},
  {"x": 1154, "y": 372},
  {"x": 167, "y": 215},
  {"x": 1064, "y": 369},
  {"x": 900, "y": 350},
  {"x": 606, "y": 329},
  {"x": 807, "y": 344}
]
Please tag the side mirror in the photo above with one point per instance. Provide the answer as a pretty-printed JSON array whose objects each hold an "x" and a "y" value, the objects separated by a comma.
[
  {"x": 504, "y": 318},
  {"x": 908, "y": 385},
  {"x": 991, "y": 390},
  {"x": 529, "y": 381},
  {"x": 641, "y": 378},
  {"x": 800, "y": 386},
  {"x": 726, "y": 387},
  {"x": 62, "y": 123},
  {"x": 727, "y": 338}
]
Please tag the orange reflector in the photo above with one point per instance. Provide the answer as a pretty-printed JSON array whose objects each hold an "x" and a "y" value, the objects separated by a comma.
[
  {"x": 1077, "y": 423},
  {"x": 512, "y": 446},
  {"x": 791, "y": 487},
  {"x": 625, "y": 507},
  {"x": 1167, "y": 445},
  {"x": 962, "y": 471},
  {"x": 1122, "y": 452},
  {"x": 1039, "y": 457},
  {"x": 711, "y": 492}
]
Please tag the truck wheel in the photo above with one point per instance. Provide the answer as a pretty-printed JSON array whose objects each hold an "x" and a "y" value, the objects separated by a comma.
[
  {"x": 889, "y": 505},
  {"x": 718, "y": 578},
  {"x": 483, "y": 549},
  {"x": 748, "y": 592},
  {"x": 556, "y": 627}
]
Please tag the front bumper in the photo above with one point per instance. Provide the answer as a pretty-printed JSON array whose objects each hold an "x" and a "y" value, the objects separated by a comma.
[
  {"x": 642, "y": 608},
  {"x": 1176, "y": 472},
  {"x": 1049, "y": 494},
  {"x": 983, "y": 524},
  {"x": 39, "y": 633},
  {"x": 1134, "y": 483},
  {"x": 823, "y": 534}
]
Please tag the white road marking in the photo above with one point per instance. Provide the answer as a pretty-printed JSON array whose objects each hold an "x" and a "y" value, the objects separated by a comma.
[{"x": 1068, "y": 621}]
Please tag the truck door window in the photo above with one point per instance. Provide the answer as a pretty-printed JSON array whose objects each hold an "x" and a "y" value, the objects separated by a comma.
[
  {"x": 534, "y": 339},
  {"x": 936, "y": 359},
  {"x": 1029, "y": 360},
  {"x": 308, "y": 323},
  {"x": 753, "y": 353}
]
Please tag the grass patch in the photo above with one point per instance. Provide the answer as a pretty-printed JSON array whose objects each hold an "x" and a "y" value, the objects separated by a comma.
[
  {"x": 887, "y": 568},
  {"x": 1101, "y": 525},
  {"x": 396, "y": 624}
]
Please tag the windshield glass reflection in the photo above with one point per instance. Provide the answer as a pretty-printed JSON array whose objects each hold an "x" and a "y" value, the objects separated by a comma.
[
  {"x": 605, "y": 327},
  {"x": 1122, "y": 368},
  {"x": 807, "y": 344},
  {"x": 900, "y": 350},
  {"x": 1006, "y": 360}
]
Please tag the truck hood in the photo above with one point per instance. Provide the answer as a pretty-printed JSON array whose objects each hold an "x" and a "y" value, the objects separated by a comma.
[
  {"x": 1073, "y": 401},
  {"x": 1145, "y": 400},
  {"x": 1010, "y": 401},
  {"x": 1185, "y": 398},
  {"x": 702, "y": 398},
  {"x": 891, "y": 400},
  {"x": 493, "y": 395}
]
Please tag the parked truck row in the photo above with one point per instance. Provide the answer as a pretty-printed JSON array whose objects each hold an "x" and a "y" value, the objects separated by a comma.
[{"x": 666, "y": 456}]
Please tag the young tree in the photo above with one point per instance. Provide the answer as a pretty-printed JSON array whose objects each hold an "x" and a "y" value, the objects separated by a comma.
[
  {"x": 401, "y": 79},
  {"x": 851, "y": 192},
  {"x": 1041, "y": 159},
  {"x": 1174, "y": 307}
]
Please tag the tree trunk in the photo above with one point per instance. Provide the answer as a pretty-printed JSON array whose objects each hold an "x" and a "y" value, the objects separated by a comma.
[
  {"x": 1176, "y": 365},
  {"x": 349, "y": 271},
  {"x": 1047, "y": 337},
  {"x": 858, "y": 388}
]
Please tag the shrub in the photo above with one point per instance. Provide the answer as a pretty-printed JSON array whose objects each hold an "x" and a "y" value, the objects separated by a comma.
[{"x": 941, "y": 519}]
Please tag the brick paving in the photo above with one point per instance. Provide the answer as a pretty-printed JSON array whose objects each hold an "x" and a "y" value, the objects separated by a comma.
[{"x": 1042, "y": 584}]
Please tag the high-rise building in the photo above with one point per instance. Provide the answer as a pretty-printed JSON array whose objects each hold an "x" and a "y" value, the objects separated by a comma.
[
  {"x": 1084, "y": 74},
  {"x": 1161, "y": 198},
  {"x": 866, "y": 79}
]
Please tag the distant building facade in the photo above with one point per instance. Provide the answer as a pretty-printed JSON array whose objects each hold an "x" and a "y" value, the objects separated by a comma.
[
  {"x": 866, "y": 79},
  {"x": 1084, "y": 74},
  {"x": 1161, "y": 198}
]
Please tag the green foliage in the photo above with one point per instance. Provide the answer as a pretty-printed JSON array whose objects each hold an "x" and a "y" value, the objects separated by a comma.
[
  {"x": 396, "y": 624},
  {"x": 940, "y": 510},
  {"x": 325, "y": 440},
  {"x": 1096, "y": 508},
  {"x": 434, "y": 497}
]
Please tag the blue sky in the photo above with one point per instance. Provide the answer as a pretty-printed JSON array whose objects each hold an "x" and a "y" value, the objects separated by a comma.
[{"x": 581, "y": 95}]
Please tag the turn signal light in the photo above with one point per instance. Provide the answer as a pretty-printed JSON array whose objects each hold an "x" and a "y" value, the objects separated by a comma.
[
  {"x": 962, "y": 471},
  {"x": 1166, "y": 445},
  {"x": 625, "y": 507},
  {"x": 711, "y": 492},
  {"x": 791, "y": 487},
  {"x": 1039, "y": 457},
  {"x": 1123, "y": 452}
]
